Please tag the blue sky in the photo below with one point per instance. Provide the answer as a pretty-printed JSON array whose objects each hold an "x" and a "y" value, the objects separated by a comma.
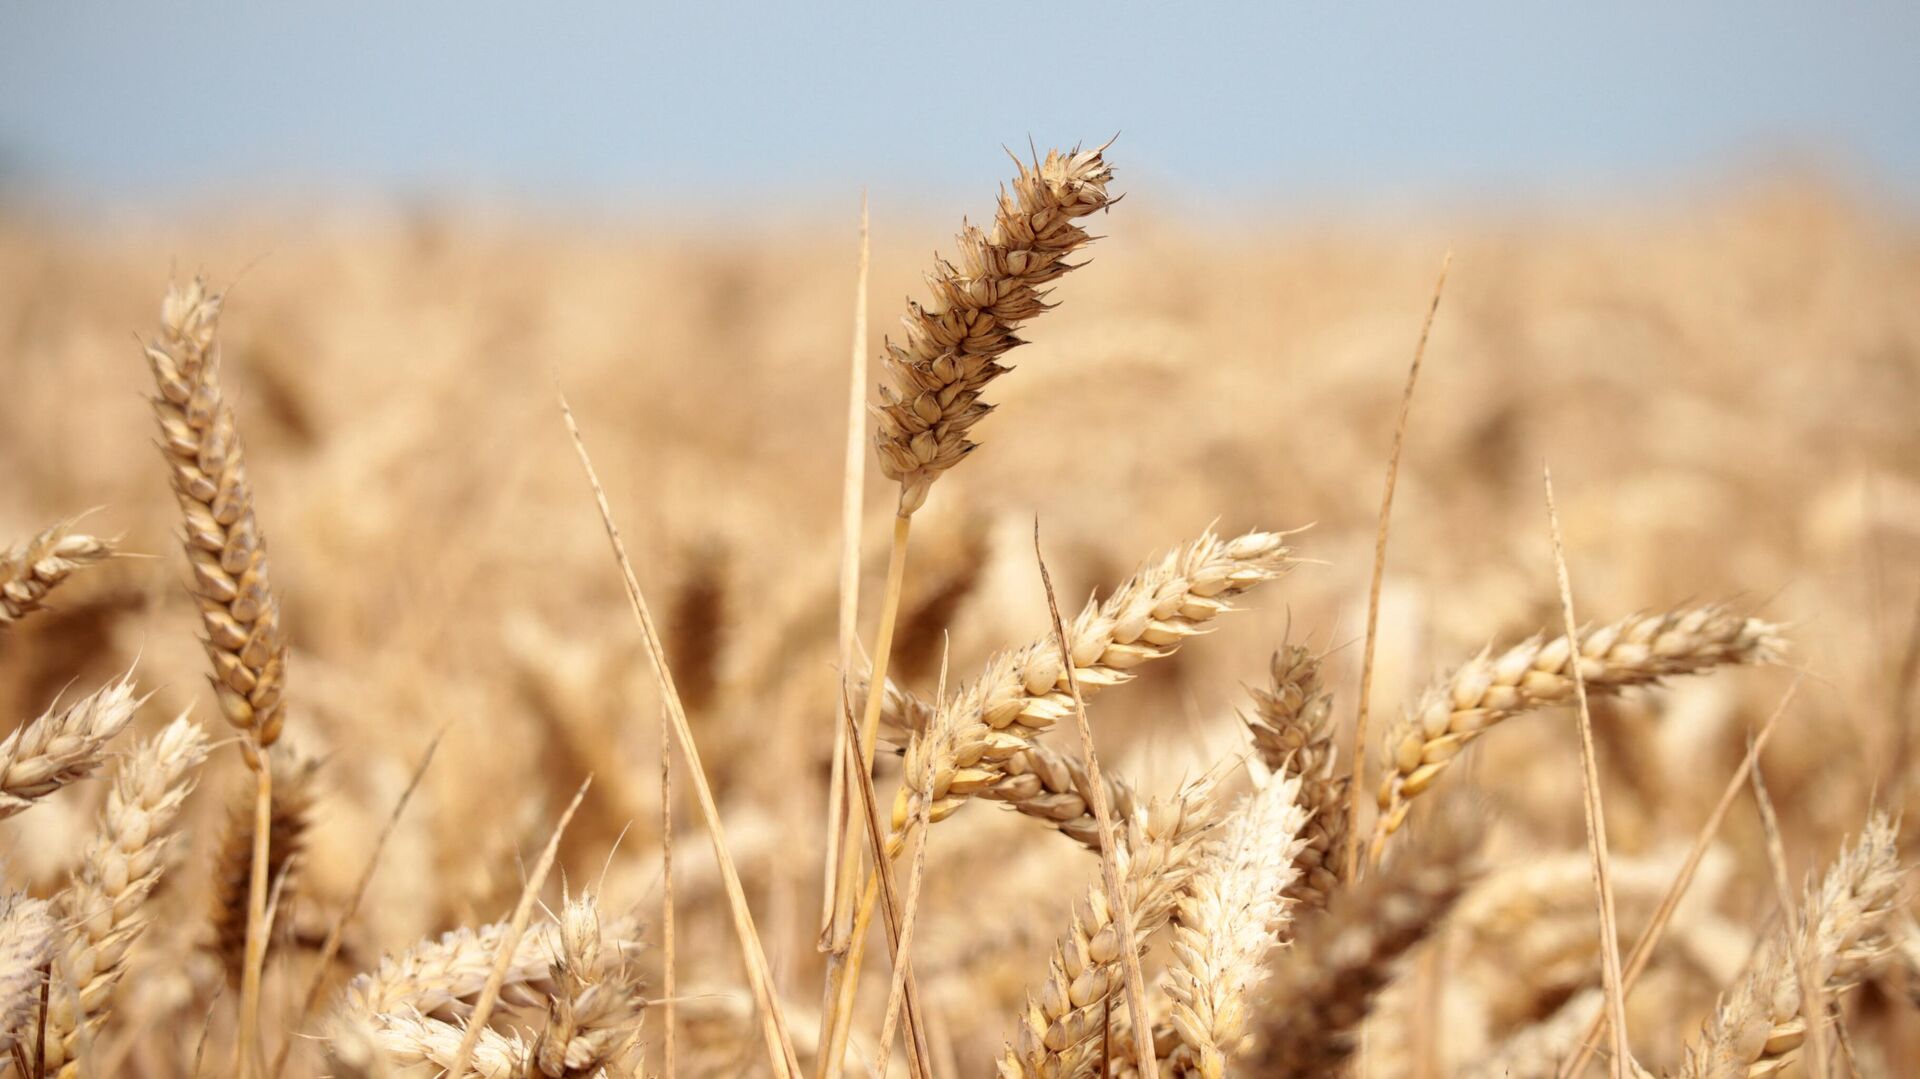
[{"x": 597, "y": 102}]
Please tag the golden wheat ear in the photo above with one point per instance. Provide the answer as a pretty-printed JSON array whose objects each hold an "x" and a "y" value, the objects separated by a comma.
[
  {"x": 26, "y": 945},
  {"x": 104, "y": 908},
  {"x": 30, "y": 570},
  {"x": 62, "y": 746}
]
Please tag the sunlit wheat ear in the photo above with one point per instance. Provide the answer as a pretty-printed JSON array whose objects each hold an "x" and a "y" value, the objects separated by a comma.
[
  {"x": 238, "y": 608},
  {"x": 103, "y": 910},
  {"x": 1342, "y": 957},
  {"x": 26, "y": 944},
  {"x": 597, "y": 1001},
  {"x": 1293, "y": 733},
  {"x": 1235, "y": 910},
  {"x": 30, "y": 570},
  {"x": 62, "y": 745},
  {"x": 932, "y": 381},
  {"x": 295, "y": 785},
  {"x": 1636, "y": 650},
  {"x": 1761, "y": 1021},
  {"x": 1058, "y": 1032},
  {"x": 1024, "y": 690}
]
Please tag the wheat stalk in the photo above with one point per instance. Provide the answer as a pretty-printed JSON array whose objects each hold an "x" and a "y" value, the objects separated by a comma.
[
  {"x": 103, "y": 907},
  {"x": 30, "y": 570},
  {"x": 1761, "y": 1022},
  {"x": 1058, "y": 1031},
  {"x": 1235, "y": 910},
  {"x": 1636, "y": 650},
  {"x": 1345, "y": 955},
  {"x": 26, "y": 944},
  {"x": 1022, "y": 692},
  {"x": 1293, "y": 732},
  {"x": 62, "y": 746},
  {"x": 930, "y": 396},
  {"x": 290, "y": 817}
]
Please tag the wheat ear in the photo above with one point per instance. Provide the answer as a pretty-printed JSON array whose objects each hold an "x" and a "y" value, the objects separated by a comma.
[
  {"x": 26, "y": 945},
  {"x": 1760, "y": 1022},
  {"x": 1023, "y": 691},
  {"x": 1059, "y": 1029},
  {"x": 224, "y": 547},
  {"x": 597, "y": 1001},
  {"x": 62, "y": 746},
  {"x": 1345, "y": 955},
  {"x": 932, "y": 381},
  {"x": 103, "y": 907},
  {"x": 1235, "y": 910},
  {"x": 1292, "y": 729},
  {"x": 30, "y": 570},
  {"x": 290, "y": 817},
  {"x": 1636, "y": 650}
]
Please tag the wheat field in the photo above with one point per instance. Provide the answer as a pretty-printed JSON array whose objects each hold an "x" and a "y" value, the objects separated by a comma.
[{"x": 1195, "y": 432}]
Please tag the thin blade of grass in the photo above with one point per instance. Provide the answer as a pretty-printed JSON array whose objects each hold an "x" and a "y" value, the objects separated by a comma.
[
  {"x": 901, "y": 965},
  {"x": 1109, "y": 842},
  {"x": 1357, "y": 785},
  {"x": 1595, "y": 811},
  {"x": 759, "y": 976},
  {"x": 666, "y": 889},
  {"x": 1813, "y": 1003},
  {"x": 1642, "y": 953}
]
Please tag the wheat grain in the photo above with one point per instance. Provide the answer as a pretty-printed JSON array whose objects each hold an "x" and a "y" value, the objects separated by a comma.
[
  {"x": 290, "y": 817},
  {"x": 1235, "y": 909},
  {"x": 1058, "y": 1032},
  {"x": 930, "y": 396},
  {"x": 26, "y": 945},
  {"x": 62, "y": 746},
  {"x": 104, "y": 905},
  {"x": 238, "y": 607},
  {"x": 1760, "y": 1022},
  {"x": 1023, "y": 690},
  {"x": 1346, "y": 954},
  {"x": 30, "y": 570},
  {"x": 1636, "y": 650},
  {"x": 1293, "y": 732}
]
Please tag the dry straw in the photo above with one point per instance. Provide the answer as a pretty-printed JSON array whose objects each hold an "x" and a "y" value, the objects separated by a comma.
[
  {"x": 104, "y": 908},
  {"x": 1760, "y": 1022},
  {"x": 30, "y": 570},
  {"x": 63, "y": 745},
  {"x": 1636, "y": 650}
]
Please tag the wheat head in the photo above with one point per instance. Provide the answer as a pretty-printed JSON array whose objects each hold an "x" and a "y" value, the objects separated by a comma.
[
  {"x": 62, "y": 746},
  {"x": 30, "y": 570}
]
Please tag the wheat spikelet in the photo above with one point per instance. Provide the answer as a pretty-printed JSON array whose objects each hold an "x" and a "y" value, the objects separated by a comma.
[
  {"x": 30, "y": 570},
  {"x": 412, "y": 1010},
  {"x": 238, "y": 608},
  {"x": 290, "y": 818},
  {"x": 26, "y": 944},
  {"x": 104, "y": 906},
  {"x": 1058, "y": 1031},
  {"x": 1292, "y": 729},
  {"x": 62, "y": 746},
  {"x": 1636, "y": 650},
  {"x": 1023, "y": 690},
  {"x": 1344, "y": 955},
  {"x": 1232, "y": 915},
  {"x": 1760, "y": 1022},
  {"x": 930, "y": 396},
  {"x": 597, "y": 1003}
]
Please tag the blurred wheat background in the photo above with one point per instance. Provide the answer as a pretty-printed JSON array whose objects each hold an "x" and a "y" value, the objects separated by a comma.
[{"x": 1724, "y": 378}]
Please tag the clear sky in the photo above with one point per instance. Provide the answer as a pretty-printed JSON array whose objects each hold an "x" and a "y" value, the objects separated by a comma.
[{"x": 768, "y": 102}]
